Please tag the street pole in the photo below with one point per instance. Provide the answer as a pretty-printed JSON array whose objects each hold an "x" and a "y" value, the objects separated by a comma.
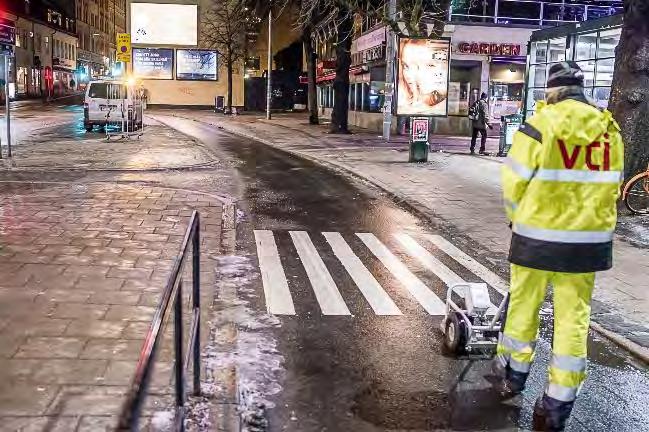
[
  {"x": 269, "y": 84},
  {"x": 389, "y": 72},
  {"x": 7, "y": 105}
]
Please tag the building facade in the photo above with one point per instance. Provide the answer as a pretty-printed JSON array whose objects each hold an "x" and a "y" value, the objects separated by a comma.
[
  {"x": 98, "y": 22},
  {"x": 489, "y": 47},
  {"x": 45, "y": 51}
]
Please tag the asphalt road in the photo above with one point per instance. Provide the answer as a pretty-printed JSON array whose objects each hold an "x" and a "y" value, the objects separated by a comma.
[{"x": 351, "y": 355}]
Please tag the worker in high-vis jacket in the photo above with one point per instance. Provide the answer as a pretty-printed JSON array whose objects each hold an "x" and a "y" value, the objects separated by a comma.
[{"x": 561, "y": 181}]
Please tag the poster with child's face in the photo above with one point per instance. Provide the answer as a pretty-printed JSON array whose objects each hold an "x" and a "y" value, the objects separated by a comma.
[{"x": 422, "y": 88}]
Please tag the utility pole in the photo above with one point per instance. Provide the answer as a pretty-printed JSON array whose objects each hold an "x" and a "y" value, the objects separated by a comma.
[
  {"x": 389, "y": 71},
  {"x": 269, "y": 83},
  {"x": 7, "y": 105}
]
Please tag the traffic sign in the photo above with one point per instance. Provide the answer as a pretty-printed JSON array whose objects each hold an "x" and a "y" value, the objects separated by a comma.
[{"x": 123, "y": 47}]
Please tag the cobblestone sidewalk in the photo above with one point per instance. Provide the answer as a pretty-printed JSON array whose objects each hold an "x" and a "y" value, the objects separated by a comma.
[
  {"x": 88, "y": 233},
  {"x": 463, "y": 192}
]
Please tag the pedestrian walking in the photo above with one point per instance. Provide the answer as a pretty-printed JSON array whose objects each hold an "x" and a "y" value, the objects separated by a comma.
[
  {"x": 479, "y": 122},
  {"x": 560, "y": 183}
]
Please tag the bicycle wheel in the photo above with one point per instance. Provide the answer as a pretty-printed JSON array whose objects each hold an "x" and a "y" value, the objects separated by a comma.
[{"x": 637, "y": 197}]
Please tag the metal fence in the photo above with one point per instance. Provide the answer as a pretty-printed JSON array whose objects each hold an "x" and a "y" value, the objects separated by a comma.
[
  {"x": 531, "y": 12},
  {"x": 171, "y": 298}
]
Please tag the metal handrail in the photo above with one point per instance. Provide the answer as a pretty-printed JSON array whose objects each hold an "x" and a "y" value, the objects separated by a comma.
[{"x": 172, "y": 296}]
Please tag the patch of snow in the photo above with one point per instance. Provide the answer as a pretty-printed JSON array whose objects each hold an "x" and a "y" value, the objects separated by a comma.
[
  {"x": 162, "y": 421},
  {"x": 255, "y": 357}
]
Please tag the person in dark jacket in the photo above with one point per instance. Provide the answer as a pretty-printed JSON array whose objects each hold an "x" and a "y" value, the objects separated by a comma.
[{"x": 480, "y": 124}]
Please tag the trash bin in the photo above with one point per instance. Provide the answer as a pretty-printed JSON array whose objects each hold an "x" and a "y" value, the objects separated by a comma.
[
  {"x": 418, "y": 139},
  {"x": 219, "y": 104},
  {"x": 509, "y": 124}
]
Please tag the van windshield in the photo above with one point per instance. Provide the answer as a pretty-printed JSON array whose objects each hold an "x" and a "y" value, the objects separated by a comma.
[
  {"x": 107, "y": 91},
  {"x": 98, "y": 91}
]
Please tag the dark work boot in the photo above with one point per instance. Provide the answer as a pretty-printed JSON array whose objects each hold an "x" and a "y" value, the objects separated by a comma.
[
  {"x": 511, "y": 383},
  {"x": 551, "y": 414}
]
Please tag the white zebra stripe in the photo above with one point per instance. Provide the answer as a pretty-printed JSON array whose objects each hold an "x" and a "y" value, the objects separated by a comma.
[
  {"x": 478, "y": 269},
  {"x": 324, "y": 287},
  {"x": 428, "y": 300},
  {"x": 278, "y": 296},
  {"x": 374, "y": 293}
]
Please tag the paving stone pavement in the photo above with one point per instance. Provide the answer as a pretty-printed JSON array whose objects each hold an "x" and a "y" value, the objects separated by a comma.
[
  {"x": 82, "y": 267},
  {"x": 463, "y": 193}
]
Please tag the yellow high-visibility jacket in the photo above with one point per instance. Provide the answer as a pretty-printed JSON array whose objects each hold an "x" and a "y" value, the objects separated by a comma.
[{"x": 561, "y": 181}]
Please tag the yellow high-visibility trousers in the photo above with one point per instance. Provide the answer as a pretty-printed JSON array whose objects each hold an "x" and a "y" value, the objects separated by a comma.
[{"x": 571, "y": 297}]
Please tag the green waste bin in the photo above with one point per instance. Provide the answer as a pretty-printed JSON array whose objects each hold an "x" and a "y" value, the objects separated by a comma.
[
  {"x": 418, "y": 139},
  {"x": 509, "y": 124}
]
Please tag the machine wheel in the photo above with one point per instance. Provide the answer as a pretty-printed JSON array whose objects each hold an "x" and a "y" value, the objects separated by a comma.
[
  {"x": 88, "y": 127},
  {"x": 455, "y": 336}
]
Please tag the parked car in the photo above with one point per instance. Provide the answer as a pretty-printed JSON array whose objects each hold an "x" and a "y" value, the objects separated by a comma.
[{"x": 111, "y": 102}]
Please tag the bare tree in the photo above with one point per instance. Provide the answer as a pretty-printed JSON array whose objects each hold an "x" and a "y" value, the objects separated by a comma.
[
  {"x": 416, "y": 18},
  {"x": 629, "y": 100},
  {"x": 223, "y": 28}
]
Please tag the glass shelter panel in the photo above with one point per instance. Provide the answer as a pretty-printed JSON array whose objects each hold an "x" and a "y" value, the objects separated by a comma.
[{"x": 586, "y": 46}]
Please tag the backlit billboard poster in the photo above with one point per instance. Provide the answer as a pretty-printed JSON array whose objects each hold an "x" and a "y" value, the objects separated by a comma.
[
  {"x": 422, "y": 86},
  {"x": 153, "y": 63},
  {"x": 197, "y": 65},
  {"x": 164, "y": 24}
]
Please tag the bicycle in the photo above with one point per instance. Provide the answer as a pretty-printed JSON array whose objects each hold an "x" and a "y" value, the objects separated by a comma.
[{"x": 636, "y": 193}]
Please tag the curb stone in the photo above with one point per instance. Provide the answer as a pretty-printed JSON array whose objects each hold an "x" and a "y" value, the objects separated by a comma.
[{"x": 420, "y": 210}]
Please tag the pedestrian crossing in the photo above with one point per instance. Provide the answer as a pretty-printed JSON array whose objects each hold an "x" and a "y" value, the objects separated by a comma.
[{"x": 419, "y": 248}]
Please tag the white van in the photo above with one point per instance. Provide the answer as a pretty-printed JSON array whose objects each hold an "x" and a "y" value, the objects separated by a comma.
[{"x": 111, "y": 102}]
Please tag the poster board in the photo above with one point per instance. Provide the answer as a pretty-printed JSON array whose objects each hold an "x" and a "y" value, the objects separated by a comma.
[
  {"x": 423, "y": 73},
  {"x": 196, "y": 65},
  {"x": 153, "y": 63}
]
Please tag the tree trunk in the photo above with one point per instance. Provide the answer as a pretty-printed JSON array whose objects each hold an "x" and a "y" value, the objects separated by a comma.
[
  {"x": 230, "y": 72},
  {"x": 311, "y": 75},
  {"x": 341, "y": 81},
  {"x": 629, "y": 99}
]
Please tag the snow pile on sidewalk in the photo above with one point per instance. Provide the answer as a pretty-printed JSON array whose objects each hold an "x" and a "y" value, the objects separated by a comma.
[{"x": 252, "y": 354}]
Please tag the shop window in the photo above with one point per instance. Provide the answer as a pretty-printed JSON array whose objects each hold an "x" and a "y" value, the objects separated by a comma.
[
  {"x": 366, "y": 97},
  {"x": 538, "y": 75},
  {"x": 533, "y": 96},
  {"x": 586, "y": 46},
  {"x": 376, "y": 96},
  {"x": 604, "y": 72},
  {"x": 557, "y": 50},
  {"x": 359, "y": 97},
  {"x": 608, "y": 41},
  {"x": 588, "y": 68},
  {"x": 601, "y": 95},
  {"x": 539, "y": 52}
]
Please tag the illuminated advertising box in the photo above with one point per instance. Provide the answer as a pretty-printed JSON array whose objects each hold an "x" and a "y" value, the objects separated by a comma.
[
  {"x": 422, "y": 85},
  {"x": 153, "y": 63},
  {"x": 164, "y": 24},
  {"x": 196, "y": 65}
]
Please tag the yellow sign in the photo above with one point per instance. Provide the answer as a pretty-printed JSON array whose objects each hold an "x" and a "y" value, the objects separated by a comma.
[{"x": 123, "y": 47}]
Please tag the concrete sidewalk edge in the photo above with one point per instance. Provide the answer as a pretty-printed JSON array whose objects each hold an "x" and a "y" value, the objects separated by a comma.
[{"x": 637, "y": 350}]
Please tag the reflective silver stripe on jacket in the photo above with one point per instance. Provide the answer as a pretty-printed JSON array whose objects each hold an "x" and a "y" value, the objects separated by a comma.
[
  {"x": 516, "y": 345},
  {"x": 580, "y": 176},
  {"x": 559, "y": 392},
  {"x": 519, "y": 366},
  {"x": 561, "y": 236},
  {"x": 568, "y": 363},
  {"x": 518, "y": 168}
]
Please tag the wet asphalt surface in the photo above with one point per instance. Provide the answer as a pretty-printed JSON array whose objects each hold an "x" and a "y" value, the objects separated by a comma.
[{"x": 366, "y": 372}]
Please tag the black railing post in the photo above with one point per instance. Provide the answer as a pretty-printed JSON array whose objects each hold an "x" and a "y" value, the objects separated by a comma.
[
  {"x": 178, "y": 342},
  {"x": 196, "y": 297}
]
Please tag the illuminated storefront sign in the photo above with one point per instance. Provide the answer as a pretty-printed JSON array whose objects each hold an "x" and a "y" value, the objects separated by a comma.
[{"x": 485, "y": 48}]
